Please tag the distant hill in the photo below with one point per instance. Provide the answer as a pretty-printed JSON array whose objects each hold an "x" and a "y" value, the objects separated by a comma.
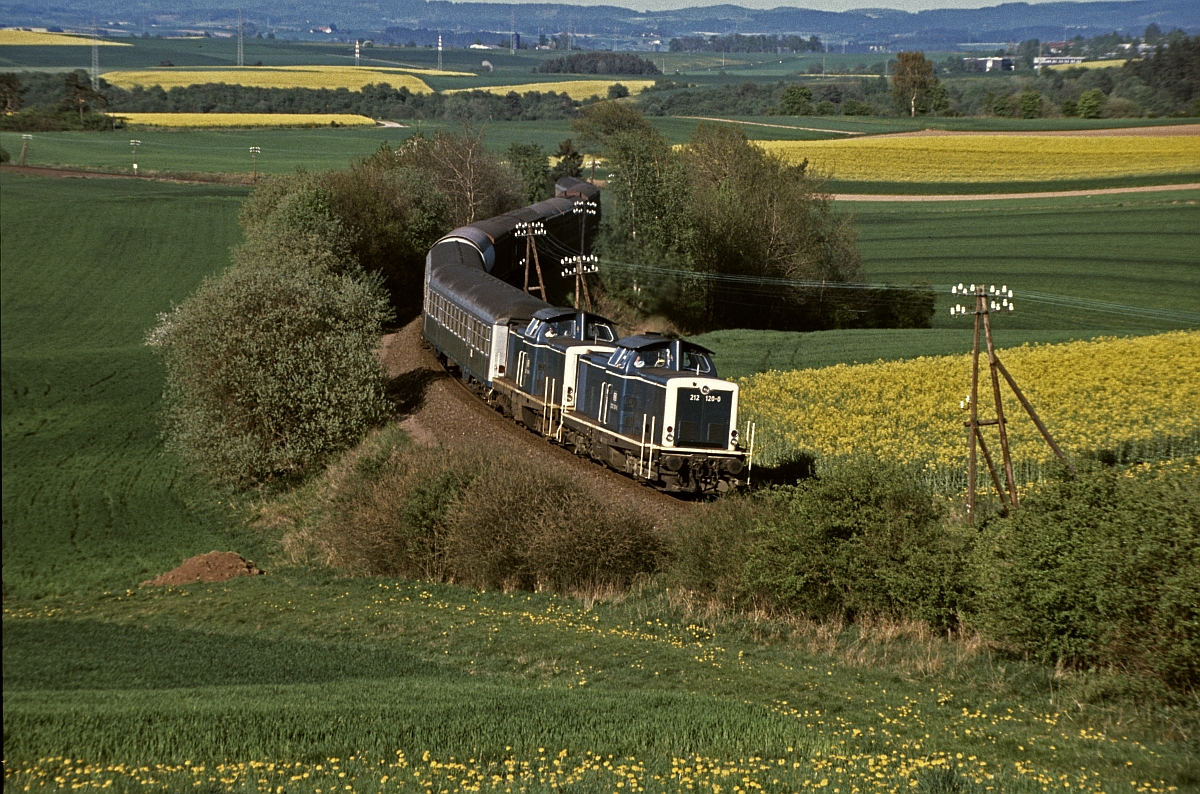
[{"x": 609, "y": 25}]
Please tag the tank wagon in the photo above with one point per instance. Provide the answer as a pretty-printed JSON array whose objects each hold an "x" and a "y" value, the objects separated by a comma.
[{"x": 647, "y": 405}]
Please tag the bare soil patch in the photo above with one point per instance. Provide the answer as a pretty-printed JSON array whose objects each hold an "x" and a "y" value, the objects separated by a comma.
[{"x": 216, "y": 566}]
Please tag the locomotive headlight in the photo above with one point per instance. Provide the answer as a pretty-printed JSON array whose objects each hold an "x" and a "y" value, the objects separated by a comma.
[
  {"x": 733, "y": 435},
  {"x": 670, "y": 436}
]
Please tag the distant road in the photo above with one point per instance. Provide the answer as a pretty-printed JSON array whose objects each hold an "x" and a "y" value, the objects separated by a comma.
[{"x": 994, "y": 196}]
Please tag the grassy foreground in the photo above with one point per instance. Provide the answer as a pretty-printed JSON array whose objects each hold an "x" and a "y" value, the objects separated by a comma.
[{"x": 304, "y": 681}]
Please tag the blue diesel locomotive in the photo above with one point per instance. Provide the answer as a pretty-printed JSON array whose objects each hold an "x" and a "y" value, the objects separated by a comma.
[{"x": 647, "y": 405}]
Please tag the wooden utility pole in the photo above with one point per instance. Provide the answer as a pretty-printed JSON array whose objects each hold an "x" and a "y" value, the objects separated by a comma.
[
  {"x": 988, "y": 300},
  {"x": 531, "y": 231},
  {"x": 580, "y": 267}
]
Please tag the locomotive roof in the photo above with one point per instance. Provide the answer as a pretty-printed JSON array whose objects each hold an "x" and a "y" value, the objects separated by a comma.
[
  {"x": 646, "y": 341},
  {"x": 486, "y": 297},
  {"x": 552, "y": 313}
]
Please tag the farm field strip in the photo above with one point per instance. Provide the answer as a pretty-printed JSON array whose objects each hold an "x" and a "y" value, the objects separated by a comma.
[
  {"x": 242, "y": 120},
  {"x": 1138, "y": 397},
  {"x": 332, "y": 77},
  {"x": 35, "y": 38},
  {"x": 998, "y": 158}
]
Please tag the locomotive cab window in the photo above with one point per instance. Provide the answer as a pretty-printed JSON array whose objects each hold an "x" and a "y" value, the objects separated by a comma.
[
  {"x": 600, "y": 332},
  {"x": 696, "y": 362}
]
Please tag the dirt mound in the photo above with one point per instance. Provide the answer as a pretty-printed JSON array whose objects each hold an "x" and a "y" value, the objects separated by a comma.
[{"x": 216, "y": 566}]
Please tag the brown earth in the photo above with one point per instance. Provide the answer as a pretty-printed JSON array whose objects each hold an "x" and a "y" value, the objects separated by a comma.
[
  {"x": 437, "y": 409},
  {"x": 216, "y": 566}
]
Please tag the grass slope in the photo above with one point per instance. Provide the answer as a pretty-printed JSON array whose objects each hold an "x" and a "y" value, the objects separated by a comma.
[{"x": 89, "y": 499}]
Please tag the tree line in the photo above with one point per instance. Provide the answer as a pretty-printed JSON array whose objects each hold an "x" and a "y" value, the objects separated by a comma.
[{"x": 599, "y": 62}]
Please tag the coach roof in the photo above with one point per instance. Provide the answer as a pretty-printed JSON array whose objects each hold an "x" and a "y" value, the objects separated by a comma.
[{"x": 482, "y": 295}]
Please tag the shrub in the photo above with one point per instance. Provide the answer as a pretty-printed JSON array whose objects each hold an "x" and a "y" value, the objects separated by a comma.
[
  {"x": 4, "y": 155},
  {"x": 384, "y": 218},
  {"x": 1100, "y": 569},
  {"x": 863, "y": 538},
  {"x": 484, "y": 519},
  {"x": 271, "y": 366}
]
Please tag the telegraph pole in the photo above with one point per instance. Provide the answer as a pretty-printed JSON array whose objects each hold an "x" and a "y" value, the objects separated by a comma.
[
  {"x": 255, "y": 151},
  {"x": 531, "y": 231},
  {"x": 987, "y": 300},
  {"x": 579, "y": 267},
  {"x": 23, "y": 159},
  {"x": 134, "y": 145}
]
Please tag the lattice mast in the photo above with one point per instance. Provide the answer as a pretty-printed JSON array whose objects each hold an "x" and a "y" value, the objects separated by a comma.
[
  {"x": 988, "y": 300},
  {"x": 95, "y": 56},
  {"x": 241, "y": 53}
]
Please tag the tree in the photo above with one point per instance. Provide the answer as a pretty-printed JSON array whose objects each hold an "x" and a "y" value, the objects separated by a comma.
[
  {"x": 533, "y": 171},
  {"x": 756, "y": 215},
  {"x": 1090, "y": 103},
  {"x": 912, "y": 81},
  {"x": 271, "y": 366},
  {"x": 1030, "y": 103},
  {"x": 796, "y": 100},
  {"x": 618, "y": 91},
  {"x": 81, "y": 95},
  {"x": 601, "y": 120},
  {"x": 570, "y": 162},
  {"x": 11, "y": 92},
  {"x": 475, "y": 184}
]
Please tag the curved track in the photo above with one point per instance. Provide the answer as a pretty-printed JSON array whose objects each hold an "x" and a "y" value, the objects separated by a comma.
[{"x": 438, "y": 410}]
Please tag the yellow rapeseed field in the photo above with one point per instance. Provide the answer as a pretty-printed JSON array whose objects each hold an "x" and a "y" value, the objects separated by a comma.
[
  {"x": 577, "y": 89},
  {"x": 28, "y": 38},
  {"x": 245, "y": 119},
  {"x": 352, "y": 78},
  {"x": 994, "y": 158},
  {"x": 1138, "y": 394}
]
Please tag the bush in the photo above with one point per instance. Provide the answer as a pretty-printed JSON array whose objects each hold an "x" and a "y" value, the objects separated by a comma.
[
  {"x": 863, "y": 538},
  {"x": 384, "y": 218},
  {"x": 271, "y": 366},
  {"x": 485, "y": 519},
  {"x": 4, "y": 155},
  {"x": 1101, "y": 569}
]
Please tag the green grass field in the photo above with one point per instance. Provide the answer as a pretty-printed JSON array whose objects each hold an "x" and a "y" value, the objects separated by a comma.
[{"x": 89, "y": 499}]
